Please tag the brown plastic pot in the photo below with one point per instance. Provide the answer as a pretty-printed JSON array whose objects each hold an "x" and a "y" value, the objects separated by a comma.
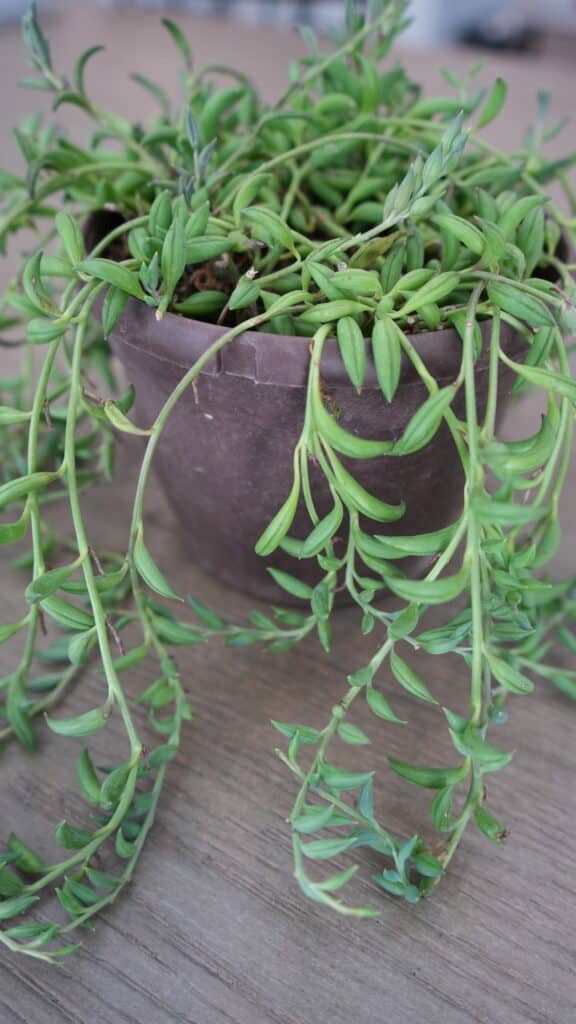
[{"x": 225, "y": 459}]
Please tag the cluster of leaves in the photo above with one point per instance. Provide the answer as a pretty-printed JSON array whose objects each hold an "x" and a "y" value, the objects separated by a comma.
[{"x": 354, "y": 207}]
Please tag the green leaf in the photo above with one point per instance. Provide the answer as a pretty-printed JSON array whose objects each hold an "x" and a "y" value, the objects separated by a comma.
[
  {"x": 72, "y": 838},
  {"x": 9, "y": 416},
  {"x": 80, "y": 67},
  {"x": 321, "y": 600},
  {"x": 21, "y": 487},
  {"x": 11, "y": 532},
  {"x": 178, "y": 633},
  {"x": 516, "y": 302},
  {"x": 314, "y": 820},
  {"x": 36, "y": 930},
  {"x": 213, "y": 109},
  {"x": 463, "y": 231},
  {"x": 162, "y": 755},
  {"x": 359, "y": 282},
  {"x": 362, "y": 676},
  {"x": 508, "y": 676},
  {"x": 506, "y": 513},
  {"x": 81, "y": 645},
  {"x": 268, "y": 227},
  {"x": 403, "y": 546},
  {"x": 180, "y": 40},
  {"x": 352, "y": 734},
  {"x": 205, "y": 615},
  {"x": 548, "y": 543},
  {"x": 433, "y": 291},
  {"x": 10, "y": 884},
  {"x": 342, "y": 440},
  {"x": 42, "y": 331},
  {"x": 108, "y": 581},
  {"x": 425, "y": 422},
  {"x": 35, "y": 38},
  {"x": 173, "y": 258},
  {"x": 160, "y": 215},
  {"x": 380, "y": 706},
  {"x": 154, "y": 89},
  {"x": 546, "y": 379},
  {"x": 243, "y": 638},
  {"x": 66, "y": 614},
  {"x": 16, "y": 906},
  {"x": 430, "y": 591},
  {"x": 121, "y": 422},
  {"x": 324, "y": 849},
  {"x": 6, "y": 632},
  {"x": 428, "y": 865},
  {"x": 103, "y": 880},
  {"x": 113, "y": 786},
  {"x": 387, "y": 353},
  {"x": 394, "y": 886},
  {"x": 471, "y": 743},
  {"x": 520, "y": 209},
  {"x": 441, "y": 810},
  {"x": 73, "y": 98},
  {"x": 409, "y": 680},
  {"x": 355, "y": 495},
  {"x": 405, "y": 622},
  {"x": 306, "y": 735},
  {"x": 336, "y": 882},
  {"x": 25, "y": 859},
  {"x": 47, "y": 583},
  {"x": 494, "y": 103},
  {"x": 429, "y": 778},
  {"x": 81, "y": 725},
  {"x": 339, "y": 779},
  {"x": 322, "y": 532},
  {"x": 114, "y": 274},
  {"x": 246, "y": 293},
  {"x": 352, "y": 350},
  {"x": 204, "y": 304},
  {"x": 17, "y": 714},
  {"x": 490, "y": 826},
  {"x": 112, "y": 308},
  {"x": 247, "y": 192},
  {"x": 328, "y": 312},
  {"x": 149, "y": 571},
  {"x": 71, "y": 236},
  {"x": 87, "y": 778},
  {"x": 83, "y": 893},
  {"x": 291, "y": 584},
  {"x": 531, "y": 237},
  {"x": 207, "y": 247},
  {"x": 456, "y": 722},
  {"x": 277, "y": 529}
]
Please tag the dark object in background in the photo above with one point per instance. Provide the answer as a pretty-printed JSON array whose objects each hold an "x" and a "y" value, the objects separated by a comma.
[{"x": 490, "y": 38}]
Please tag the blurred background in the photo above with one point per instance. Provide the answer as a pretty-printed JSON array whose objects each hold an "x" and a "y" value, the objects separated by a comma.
[{"x": 500, "y": 24}]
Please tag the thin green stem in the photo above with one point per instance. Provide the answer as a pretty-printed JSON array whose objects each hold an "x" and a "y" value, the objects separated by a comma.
[
  {"x": 115, "y": 688},
  {"x": 492, "y": 400},
  {"x": 474, "y": 486}
]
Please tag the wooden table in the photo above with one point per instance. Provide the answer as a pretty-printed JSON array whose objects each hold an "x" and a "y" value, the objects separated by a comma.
[{"x": 214, "y": 930}]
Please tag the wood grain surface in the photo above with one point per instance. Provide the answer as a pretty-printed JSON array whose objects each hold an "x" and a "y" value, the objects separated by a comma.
[{"x": 214, "y": 930}]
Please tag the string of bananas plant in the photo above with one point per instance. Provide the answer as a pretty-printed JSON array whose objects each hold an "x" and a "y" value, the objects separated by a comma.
[{"x": 352, "y": 208}]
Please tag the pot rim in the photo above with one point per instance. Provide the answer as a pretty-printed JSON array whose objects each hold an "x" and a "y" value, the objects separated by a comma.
[{"x": 284, "y": 359}]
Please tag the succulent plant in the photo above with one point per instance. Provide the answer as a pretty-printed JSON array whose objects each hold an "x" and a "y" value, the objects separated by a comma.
[{"x": 352, "y": 208}]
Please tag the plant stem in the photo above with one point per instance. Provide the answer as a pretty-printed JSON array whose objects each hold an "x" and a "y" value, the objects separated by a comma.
[
  {"x": 474, "y": 486},
  {"x": 114, "y": 685}
]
